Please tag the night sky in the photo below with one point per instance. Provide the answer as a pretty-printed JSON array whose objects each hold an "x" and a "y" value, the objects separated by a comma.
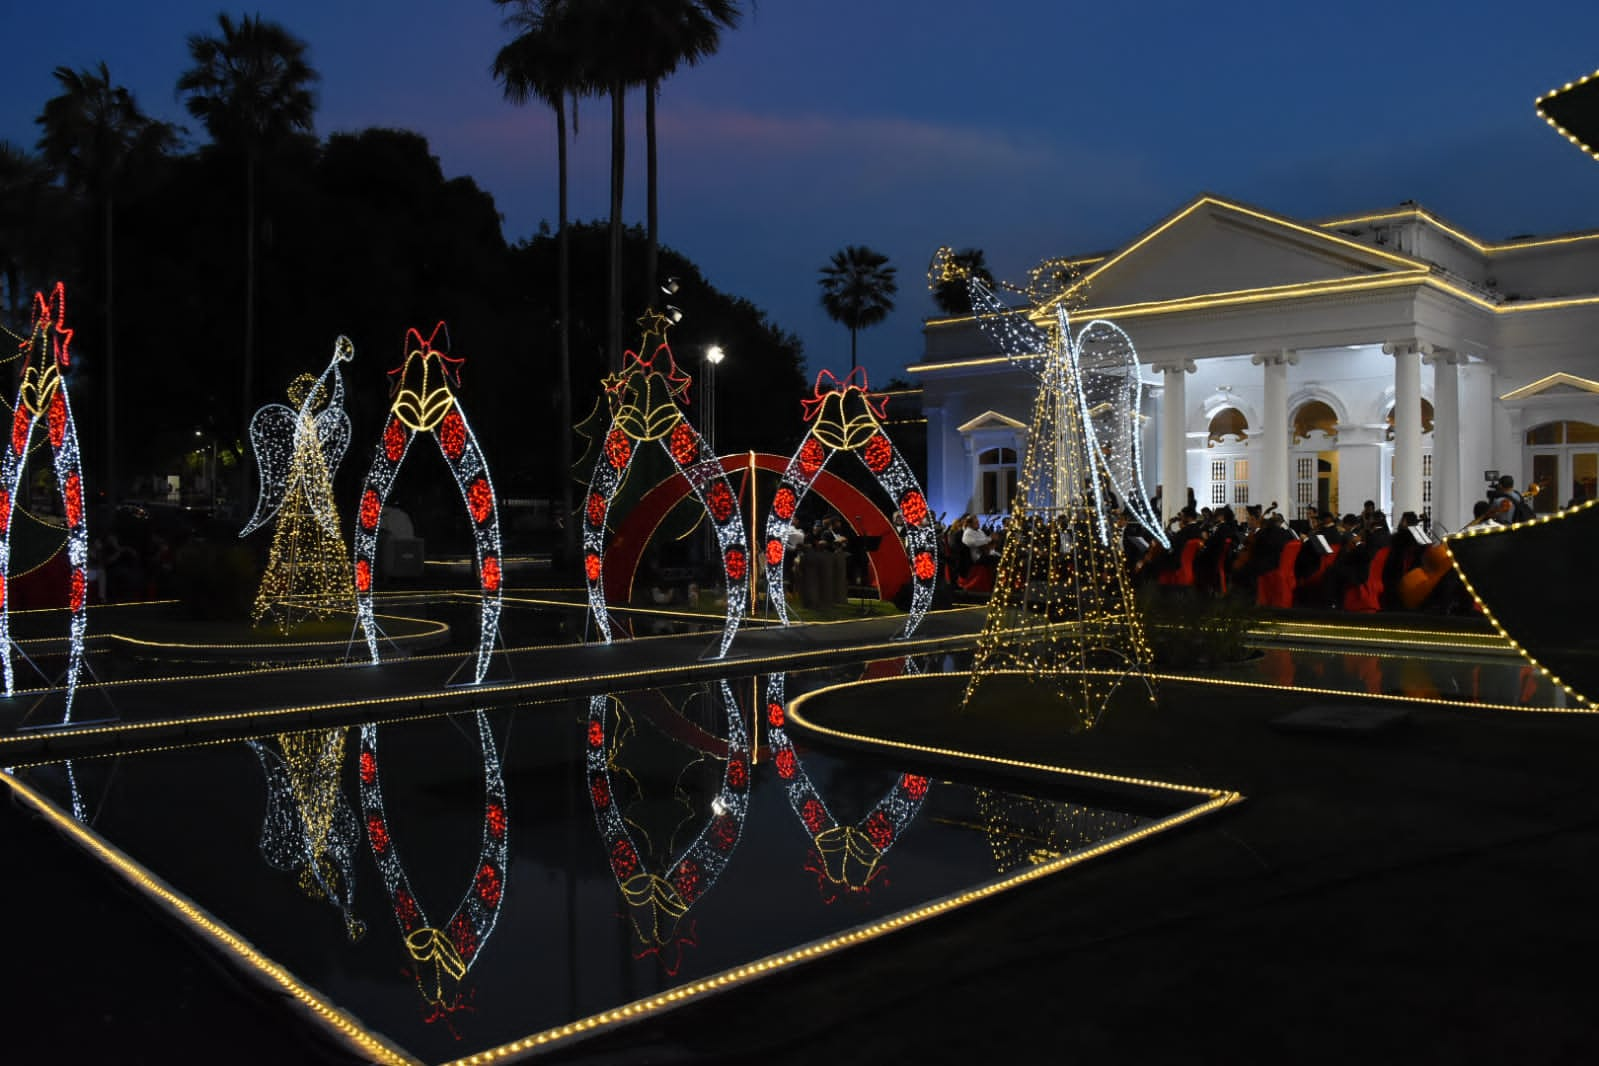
[{"x": 1024, "y": 128}]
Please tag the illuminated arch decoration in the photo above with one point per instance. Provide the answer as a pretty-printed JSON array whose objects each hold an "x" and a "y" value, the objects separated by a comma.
[
  {"x": 309, "y": 827},
  {"x": 643, "y": 399},
  {"x": 297, "y": 451},
  {"x": 441, "y": 955},
  {"x": 423, "y": 403},
  {"x": 42, "y": 396},
  {"x": 846, "y": 859},
  {"x": 890, "y": 565},
  {"x": 846, "y": 417},
  {"x": 657, "y": 905}
]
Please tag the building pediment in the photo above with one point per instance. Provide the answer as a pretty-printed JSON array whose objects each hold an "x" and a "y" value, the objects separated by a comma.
[
  {"x": 1555, "y": 385},
  {"x": 991, "y": 420},
  {"x": 1214, "y": 247}
]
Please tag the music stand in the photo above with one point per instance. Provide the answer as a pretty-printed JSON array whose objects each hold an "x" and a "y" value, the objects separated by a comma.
[{"x": 861, "y": 549}]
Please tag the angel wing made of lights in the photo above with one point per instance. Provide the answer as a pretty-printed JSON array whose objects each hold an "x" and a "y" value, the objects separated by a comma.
[
  {"x": 1098, "y": 370},
  {"x": 277, "y": 433}
]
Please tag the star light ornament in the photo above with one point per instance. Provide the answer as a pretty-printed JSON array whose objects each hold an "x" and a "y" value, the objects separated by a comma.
[
  {"x": 846, "y": 416},
  {"x": 42, "y": 397},
  {"x": 297, "y": 451},
  {"x": 644, "y": 400},
  {"x": 1062, "y": 607},
  {"x": 424, "y": 403}
]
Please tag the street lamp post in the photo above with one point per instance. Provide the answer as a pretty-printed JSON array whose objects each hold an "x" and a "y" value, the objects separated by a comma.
[{"x": 713, "y": 358}]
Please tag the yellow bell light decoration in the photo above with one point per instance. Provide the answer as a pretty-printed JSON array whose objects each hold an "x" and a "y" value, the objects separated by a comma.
[
  {"x": 441, "y": 955},
  {"x": 42, "y": 397},
  {"x": 644, "y": 400},
  {"x": 297, "y": 450},
  {"x": 845, "y": 858},
  {"x": 309, "y": 827},
  {"x": 424, "y": 403},
  {"x": 1062, "y": 608},
  {"x": 658, "y": 904},
  {"x": 846, "y": 417}
]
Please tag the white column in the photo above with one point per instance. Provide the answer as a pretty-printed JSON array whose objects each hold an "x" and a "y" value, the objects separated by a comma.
[
  {"x": 1448, "y": 506},
  {"x": 1407, "y": 426},
  {"x": 1273, "y": 435},
  {"x": 1174, "y": 437}
]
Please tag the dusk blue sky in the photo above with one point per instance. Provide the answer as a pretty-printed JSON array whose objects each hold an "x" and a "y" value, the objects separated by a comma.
[{"x": 1025, "y": 128}]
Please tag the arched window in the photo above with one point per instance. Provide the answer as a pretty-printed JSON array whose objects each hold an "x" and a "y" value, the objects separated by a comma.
[
  {"x": 1426, "y": 419},
  {"x": 996, "y": 480},
  {"x": 1314, "y": 416},
  {"x": 1228, "y": 422}
]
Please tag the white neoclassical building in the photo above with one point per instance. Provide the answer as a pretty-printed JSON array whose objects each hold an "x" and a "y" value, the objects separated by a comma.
[{"x": 1388, "y": 356}]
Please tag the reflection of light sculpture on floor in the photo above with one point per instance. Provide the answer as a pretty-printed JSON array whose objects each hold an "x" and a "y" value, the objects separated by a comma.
[
  {"x": 643, "y": 400},
  {"x": 846, "y": 417},
  {"x": 42, "y": 394},
  {"x": 657, "y": 905},
  {"x": 298, "y": 450},
  {"x": 845, "y": 858},
  {"x": 1025, "y": 831},
  {"x": 1062, "y": 606},
  {"x": 309, "y": 826},
  {"x": 423, "y": 403},
  {"x": 441, "y": 955}
]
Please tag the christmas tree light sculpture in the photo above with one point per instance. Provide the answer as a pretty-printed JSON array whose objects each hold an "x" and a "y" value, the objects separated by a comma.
[
  {"x": 845, "y": 858},
  {"x": 42, "y": 395},
  {"x": 424, "y": 403},
  {"x": 846, "y": 417},
  {"x": 298, "y": 450},
  {"x": 309, "y": 826},
  {"x": 1062, "y": 607},
  {"x": 657, "y": 905},
  {"x": 441, "y": 955},
  {"x": 644, "y": 402}
]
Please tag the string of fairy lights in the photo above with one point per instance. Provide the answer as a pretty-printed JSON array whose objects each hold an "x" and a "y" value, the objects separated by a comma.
[
  {"x": 658, "y": 903},
  {"x": 297, "y": 451},
  {"x": 644, "y": 398},
  {"x": 846, "y": 858},
  {"x": 441, "y": 955},
  {"x": 424, "y": 404},
  {"x": 1062, "y": 608},
  {"x": 42, "y": 397},
  {"x": 309, "y": 828},
  {"x": 846, "y": 416}
]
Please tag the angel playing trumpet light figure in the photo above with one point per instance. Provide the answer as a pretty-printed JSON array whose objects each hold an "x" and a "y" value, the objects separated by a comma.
[{"x": 297, "y": 450}]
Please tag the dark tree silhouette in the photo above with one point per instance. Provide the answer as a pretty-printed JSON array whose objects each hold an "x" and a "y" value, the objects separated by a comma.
[
  {"x": 858, "y": 290},
  {"x": 952, "y": 296}
]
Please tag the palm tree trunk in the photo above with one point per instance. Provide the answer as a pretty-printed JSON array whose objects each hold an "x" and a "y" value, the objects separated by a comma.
[
  {"x": 110, "y": 368},
  {"x": 613, "y": 309},
  {"x": 852, "y": 349},
  {"x": 249, "y": 318},
  {"x": 564, "y": 295},
  {"x": 650, "y": 179}
]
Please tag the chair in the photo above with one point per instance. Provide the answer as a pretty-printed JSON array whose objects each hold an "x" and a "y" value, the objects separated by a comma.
[
  {"x": 1183, "y": 573},
  {"x": 1275, "y": 588},
  {"x": 1368, "y": 597}
]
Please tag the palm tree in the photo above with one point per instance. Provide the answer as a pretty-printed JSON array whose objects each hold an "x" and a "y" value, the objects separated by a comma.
[
  {"x": 673, "y": 33},
  {"x": 857, "y": 290},
  {"x": 251, "y": 86},
  {"x": 541, "y": 63},
  {"x": 95, "y": 136},
  {"x": 952, "y": 296}
]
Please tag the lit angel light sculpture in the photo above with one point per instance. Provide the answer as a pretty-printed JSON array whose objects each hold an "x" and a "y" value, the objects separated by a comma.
[
  {"x": 846, "y": 859},
  {"x": 297, "y": 451},
  {"x": 657, "y": 905},
  {"x": 644, "y": 400},
  {"x": 441, "y": 955},
  {"x": 1062, "y": 609},
  {"x": 42, "y": 396},
  {"x": 845, "y": 416},
  {"x": 424, "y": 403},
  {"x": 309, "y": 827}
]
